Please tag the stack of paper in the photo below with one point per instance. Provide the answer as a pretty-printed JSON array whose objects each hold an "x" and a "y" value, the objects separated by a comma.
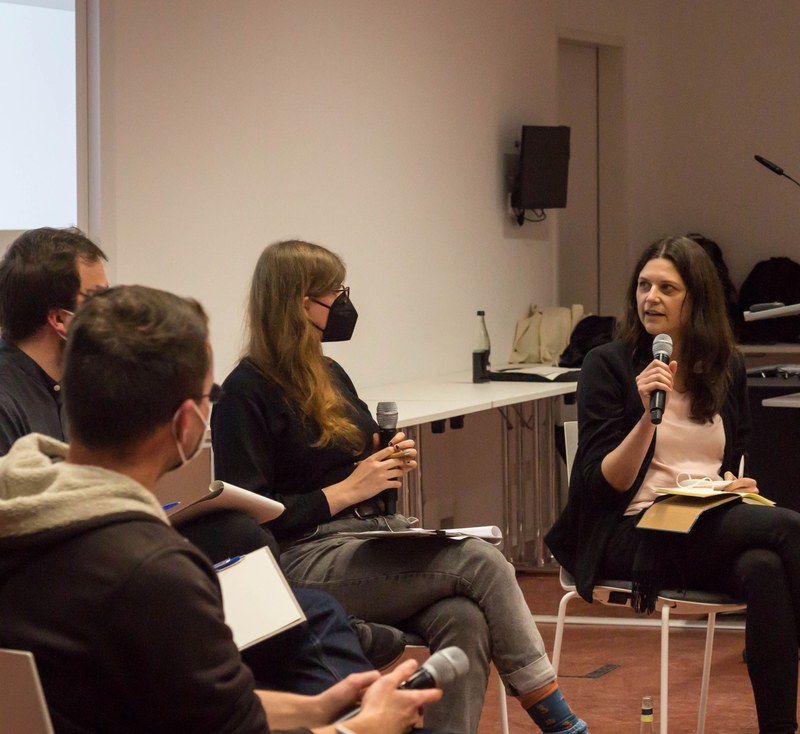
[{"x": 490, "y": 533}]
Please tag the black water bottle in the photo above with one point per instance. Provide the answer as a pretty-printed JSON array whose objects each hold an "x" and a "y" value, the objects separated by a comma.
[{"x": 480, "y": 350}]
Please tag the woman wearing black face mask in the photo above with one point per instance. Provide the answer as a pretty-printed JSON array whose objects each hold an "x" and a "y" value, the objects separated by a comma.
[{"x": 291, "y": 426}]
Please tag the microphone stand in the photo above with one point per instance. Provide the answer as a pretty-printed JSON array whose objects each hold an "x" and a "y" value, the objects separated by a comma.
[
  {"x": 775, "y": 168},
  {"x": 777, "y": 311}
]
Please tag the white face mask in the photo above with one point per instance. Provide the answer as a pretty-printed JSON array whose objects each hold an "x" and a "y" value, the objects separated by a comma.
[
  {"x": 198, "y": 448},
  {"x": 71, "y": 313}
]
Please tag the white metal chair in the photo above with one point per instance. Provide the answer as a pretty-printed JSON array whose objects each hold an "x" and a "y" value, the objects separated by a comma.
[
  {"x": 415, "y": 641},
  {"x": 670, "y": 602},
  {"x": 22, "y": 704}
]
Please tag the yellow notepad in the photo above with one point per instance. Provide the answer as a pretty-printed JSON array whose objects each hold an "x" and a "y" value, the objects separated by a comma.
[
  {"x": 714, "y": 489},
  {"x": 678, "y": 514}
]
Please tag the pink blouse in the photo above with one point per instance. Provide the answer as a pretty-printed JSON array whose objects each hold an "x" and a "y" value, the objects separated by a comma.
[{"x": 683, "y": 446}]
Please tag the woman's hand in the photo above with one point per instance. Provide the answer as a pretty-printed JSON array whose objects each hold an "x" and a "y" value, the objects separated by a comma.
[
  {"x": 656, "y": 376},
  {"x": 407, "y": 446},
  {"x": 371, "y": 476},
  {"x": 621, "y": 466},
  {"x": 742, "y": 484}
]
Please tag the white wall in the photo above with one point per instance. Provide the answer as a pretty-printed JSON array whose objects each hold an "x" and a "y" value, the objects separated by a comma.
[
  {"x": 731, "y": 90},
  {"x": 377, "y": 129}
]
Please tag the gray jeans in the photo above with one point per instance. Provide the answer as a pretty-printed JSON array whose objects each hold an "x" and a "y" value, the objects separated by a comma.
[{"x": 450, "y": 592}]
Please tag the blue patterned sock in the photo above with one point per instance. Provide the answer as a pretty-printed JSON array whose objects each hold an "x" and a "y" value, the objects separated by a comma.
[{"x": 553, "y": 714}]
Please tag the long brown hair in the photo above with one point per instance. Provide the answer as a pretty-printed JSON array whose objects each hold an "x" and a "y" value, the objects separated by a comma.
[
  {"x": 707, "y": 343},
  {"x": 283, "y": 343}
]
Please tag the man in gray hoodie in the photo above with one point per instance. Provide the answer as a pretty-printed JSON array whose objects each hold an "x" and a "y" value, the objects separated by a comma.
[{"x": 122, "y": 614}]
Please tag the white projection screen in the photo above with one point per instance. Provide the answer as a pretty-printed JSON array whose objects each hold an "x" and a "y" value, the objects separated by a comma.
[{"x": 38, "y": 129}]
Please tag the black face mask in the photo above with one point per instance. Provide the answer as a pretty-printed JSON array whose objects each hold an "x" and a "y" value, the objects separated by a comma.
[{"x": 342, "y": 316}]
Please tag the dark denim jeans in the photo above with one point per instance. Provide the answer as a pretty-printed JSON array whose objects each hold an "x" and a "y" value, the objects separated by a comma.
[{"x": 313, "y": 656}]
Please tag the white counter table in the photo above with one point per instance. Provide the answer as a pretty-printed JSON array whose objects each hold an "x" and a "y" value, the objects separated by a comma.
[
  {"x": 527, "y": 412},
  {"x": 783, "y": 401}
]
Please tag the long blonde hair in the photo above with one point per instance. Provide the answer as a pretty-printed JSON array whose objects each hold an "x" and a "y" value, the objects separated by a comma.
[{"x": 285, "y": 346}]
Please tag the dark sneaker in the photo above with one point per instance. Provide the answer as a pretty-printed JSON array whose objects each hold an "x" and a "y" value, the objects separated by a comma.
[{"x": 381, "y": 644}]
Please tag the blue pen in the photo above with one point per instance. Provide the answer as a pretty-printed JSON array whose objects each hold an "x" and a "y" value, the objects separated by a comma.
[
  {"x": 170, "y": 505},
  {"x": 227, "y": 563}
]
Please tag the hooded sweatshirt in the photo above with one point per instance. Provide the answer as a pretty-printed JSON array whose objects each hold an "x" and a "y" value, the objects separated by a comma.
[{"x": 123, "y": 616}]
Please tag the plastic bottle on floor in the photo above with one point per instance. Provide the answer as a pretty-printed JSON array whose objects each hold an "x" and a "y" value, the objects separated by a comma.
[{"x": 646, "y": 726}]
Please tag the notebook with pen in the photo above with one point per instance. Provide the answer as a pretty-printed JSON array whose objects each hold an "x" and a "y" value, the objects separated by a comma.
[
  {"x": 706, "y": 487},
  {"x": 224, "y": 496},
  {"x": 256, "y": 598},
  {"x": 684, "y": 503}
]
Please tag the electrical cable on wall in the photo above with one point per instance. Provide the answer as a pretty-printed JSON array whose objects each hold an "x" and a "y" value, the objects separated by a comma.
[{"x": 541, "y": 215}]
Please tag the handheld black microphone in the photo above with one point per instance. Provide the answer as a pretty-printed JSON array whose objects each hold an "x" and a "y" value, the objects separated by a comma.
[
  {"x": 775, "y": 168},
  {"x": 441, "y": 668},
  {"x": 662, "y": 351},
  {"x": 386, "y": 415}
]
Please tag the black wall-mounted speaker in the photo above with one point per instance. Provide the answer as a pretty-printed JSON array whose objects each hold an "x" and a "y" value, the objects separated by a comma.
[{"x": 543, "y": 168}]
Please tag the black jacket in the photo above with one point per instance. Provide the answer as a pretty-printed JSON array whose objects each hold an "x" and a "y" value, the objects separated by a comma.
[{"x": 262, "y": 444}]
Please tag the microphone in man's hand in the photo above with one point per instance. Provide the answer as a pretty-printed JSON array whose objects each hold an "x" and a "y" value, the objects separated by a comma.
[
  {"x": 386, "y": 415},
  {"x": 441, "y": 668},
  {"x": 662, "y": 351}
]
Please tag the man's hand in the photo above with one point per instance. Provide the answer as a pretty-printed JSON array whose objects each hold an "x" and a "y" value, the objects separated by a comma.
[{"x": 385, "y": 709}]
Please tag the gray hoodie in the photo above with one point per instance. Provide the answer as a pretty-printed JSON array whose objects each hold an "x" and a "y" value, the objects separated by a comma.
[{"x": 123, "y": 615}]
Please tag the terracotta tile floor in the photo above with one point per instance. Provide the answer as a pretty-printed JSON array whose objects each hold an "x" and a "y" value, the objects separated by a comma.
[{"x": 610, "y": 703}]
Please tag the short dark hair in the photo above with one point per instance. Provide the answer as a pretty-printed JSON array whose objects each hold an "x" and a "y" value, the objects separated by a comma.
[
  {"x": 39, "y": 272},
  {"x": 133, "y": 355}
]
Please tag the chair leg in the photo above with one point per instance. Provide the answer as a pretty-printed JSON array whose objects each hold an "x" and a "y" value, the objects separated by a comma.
[
  {"x": 701, "y": 714},
  {"x": 664, "y": 698},
  {"x": 501, "y": 691},
  {"x": 562, "y": 614}
]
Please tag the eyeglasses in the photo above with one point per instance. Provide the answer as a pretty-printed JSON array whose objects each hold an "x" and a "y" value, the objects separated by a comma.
[
  {"x": 214, "y": 394},
  {"x": 345, "y": 289},
  {"x": 93, "y": 292}
]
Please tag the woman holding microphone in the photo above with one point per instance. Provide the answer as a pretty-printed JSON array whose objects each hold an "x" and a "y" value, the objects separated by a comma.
[
  {"x": 290, "y": 425},
  {"x": 750, "y": 551}
]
